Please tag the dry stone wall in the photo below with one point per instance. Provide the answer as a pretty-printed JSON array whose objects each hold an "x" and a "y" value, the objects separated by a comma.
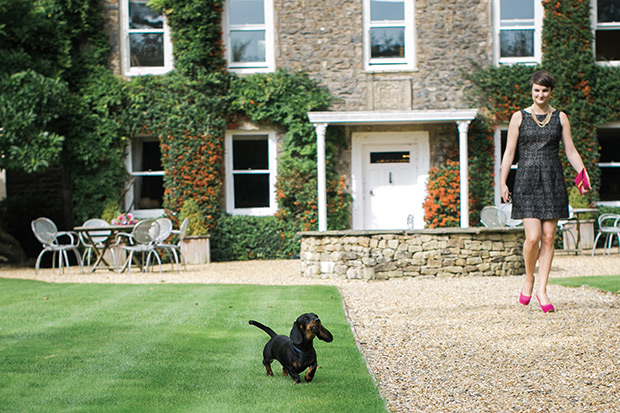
[{"x": 444, "y": 252}]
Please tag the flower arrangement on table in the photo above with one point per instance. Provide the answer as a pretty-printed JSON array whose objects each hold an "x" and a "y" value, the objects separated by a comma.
[{"x": 124, "y": 219}]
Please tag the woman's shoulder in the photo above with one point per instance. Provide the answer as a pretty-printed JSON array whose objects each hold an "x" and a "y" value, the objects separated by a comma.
[
  {"x": 517, "y": 116},
  {"x": 563, "y": 117}
]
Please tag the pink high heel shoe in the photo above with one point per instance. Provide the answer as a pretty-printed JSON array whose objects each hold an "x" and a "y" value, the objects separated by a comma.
[
  {"x": 547, "y": 308},
  {"x": 524, "y": 299}
]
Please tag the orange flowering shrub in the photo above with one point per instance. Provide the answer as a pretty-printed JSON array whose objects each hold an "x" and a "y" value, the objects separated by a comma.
[
  {"x": 442, "y": 203},
  {"x": 194, "y": 170}
]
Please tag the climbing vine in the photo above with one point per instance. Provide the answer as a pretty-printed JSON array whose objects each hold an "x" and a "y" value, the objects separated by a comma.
[
  {"x": 588, "y": 93},
  {"x": 283, "y": 98}
]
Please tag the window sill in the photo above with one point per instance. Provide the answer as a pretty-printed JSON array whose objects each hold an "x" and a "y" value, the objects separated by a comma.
[
  {"x": 147, "y": 71},
  {"x": 254, "y": 212},
  {"x": 610, "y": 63},
  {"x": 390, "y": 68},
  {"x": 148, "y": 213}
]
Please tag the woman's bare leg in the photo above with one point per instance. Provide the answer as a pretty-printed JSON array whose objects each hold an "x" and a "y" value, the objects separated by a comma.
[
  {"x": 531, "y": 249},
  {"x": 545, "y": 258}
]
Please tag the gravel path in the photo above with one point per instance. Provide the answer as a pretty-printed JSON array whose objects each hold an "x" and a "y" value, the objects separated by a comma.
[{"x": 457, "y": 344}]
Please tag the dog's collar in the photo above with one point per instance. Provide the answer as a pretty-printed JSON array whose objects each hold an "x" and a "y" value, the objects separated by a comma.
[{"x": 299, "y": 351}]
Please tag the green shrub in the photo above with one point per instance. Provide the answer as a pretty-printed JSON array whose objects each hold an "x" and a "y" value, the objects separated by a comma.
[
  {"x": 240, "y": 238},
  {"x": 197, "y": 222},
  {"x": 111, "y": 210}
]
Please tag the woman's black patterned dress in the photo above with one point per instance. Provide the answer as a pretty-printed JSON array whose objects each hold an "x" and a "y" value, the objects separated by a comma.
[{"x": 539, "y": 191}]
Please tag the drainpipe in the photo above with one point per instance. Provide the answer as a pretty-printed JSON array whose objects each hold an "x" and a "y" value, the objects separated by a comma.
[
  {"x": 321, "y": 176},
  {"x": 464, "y": 173}
]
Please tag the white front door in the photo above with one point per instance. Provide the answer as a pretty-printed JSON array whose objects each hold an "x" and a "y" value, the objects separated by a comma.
[{"x": 393, "y": 168}]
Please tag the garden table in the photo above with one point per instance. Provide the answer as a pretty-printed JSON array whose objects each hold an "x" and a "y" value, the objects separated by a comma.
[
  {"x": 90, "y": 232},
  {"x": 578, "y": 212}
]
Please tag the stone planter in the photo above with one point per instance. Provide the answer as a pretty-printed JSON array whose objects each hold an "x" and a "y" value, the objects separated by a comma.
[{"x": 196, "y": 249}]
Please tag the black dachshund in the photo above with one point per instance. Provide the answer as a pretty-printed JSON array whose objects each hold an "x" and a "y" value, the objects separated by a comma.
[{"x": 296, "y": 352}]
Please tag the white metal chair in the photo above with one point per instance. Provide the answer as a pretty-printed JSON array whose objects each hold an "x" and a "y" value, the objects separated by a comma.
[
  {"x": 176, "y": 248},
  {"x": 46, "y": 232},
  {"x": 165, "y": 229},
  {"x": 492, "y": 217},
  {"x": 95, "y": 239},
  {"x": 568, "y": 226},
  {"x": 507, "y": 210},
  {"x": 608, "y": 224},
  {"x": 141, "y": 240}
]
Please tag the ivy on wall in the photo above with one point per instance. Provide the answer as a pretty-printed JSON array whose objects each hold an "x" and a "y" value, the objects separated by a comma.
[
  {"x": 283, "y": 98},
  {"x": 568, "y": 54},
  {"x": 188, "y": 117},
  {"x": 588, "y": 93},
  {"x": 196, "y": 29}
]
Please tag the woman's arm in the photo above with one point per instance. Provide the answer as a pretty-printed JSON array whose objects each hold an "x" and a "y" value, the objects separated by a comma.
[
  {"x": 509, "y": 154},
  {"x": 567, "y": 139},
  {"x": 569, "y": 147}
]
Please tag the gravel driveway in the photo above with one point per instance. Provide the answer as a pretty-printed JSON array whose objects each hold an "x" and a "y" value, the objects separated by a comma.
[{"x": 457, "y": 344}]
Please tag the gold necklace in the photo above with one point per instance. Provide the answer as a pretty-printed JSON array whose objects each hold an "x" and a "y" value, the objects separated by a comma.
[{"x": 539, "y": 123}]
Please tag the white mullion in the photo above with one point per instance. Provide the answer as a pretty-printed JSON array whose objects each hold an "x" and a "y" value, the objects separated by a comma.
[{"x": 539, "y": 13}]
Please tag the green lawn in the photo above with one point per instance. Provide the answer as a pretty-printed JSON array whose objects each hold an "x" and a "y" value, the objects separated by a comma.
[
  {"x": 172, "y": 348},
  {"x": 602, "y": 282}
]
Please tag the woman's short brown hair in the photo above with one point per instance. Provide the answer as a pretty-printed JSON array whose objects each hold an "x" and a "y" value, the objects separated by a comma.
[{"x": 543, "y": 78}]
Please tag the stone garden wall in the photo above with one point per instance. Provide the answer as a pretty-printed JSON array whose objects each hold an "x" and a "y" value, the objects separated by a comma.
[{"x": 447, "y": 252}]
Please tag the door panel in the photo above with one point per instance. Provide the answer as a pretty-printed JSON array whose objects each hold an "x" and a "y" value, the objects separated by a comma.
[
  {"x": 389, "y": 171},
  {"x": 389, "y": 185}
]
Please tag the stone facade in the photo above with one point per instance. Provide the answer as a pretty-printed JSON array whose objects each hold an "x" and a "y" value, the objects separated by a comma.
[
  {"x": 325, "y": 39},
  {"x": 448, "y": 252},
  {"x": 112, "y": 26}
]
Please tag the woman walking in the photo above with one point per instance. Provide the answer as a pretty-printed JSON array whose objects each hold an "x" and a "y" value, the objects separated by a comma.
[{"x": 540, "y": 197}]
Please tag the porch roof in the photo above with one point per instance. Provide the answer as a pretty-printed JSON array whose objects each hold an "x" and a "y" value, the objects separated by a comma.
[
  {"x": 462, "y": 118},
  {"x": 392, "y": 117}
]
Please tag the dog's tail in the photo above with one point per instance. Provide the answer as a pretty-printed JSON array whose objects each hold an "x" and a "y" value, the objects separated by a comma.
[{"x": 263, "y": 327}]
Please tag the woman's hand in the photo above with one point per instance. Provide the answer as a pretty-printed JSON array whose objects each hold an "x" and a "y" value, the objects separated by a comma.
[{"x": 505, "y": 193}]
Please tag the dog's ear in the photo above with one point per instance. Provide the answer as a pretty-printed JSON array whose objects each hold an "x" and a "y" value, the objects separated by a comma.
[
  {"x": 296, "y": 335},
  {"x": 325, "y": 335}
]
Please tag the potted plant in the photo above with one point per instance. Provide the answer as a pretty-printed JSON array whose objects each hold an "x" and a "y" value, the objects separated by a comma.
[
  {"x": 195, "y": 246},
  {"x": 111, "y": 213}
]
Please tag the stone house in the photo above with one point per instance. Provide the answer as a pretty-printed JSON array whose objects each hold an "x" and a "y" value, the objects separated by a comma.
[{"x": 396, "y": 69}]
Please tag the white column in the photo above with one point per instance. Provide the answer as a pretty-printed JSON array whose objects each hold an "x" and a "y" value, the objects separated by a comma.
[
  {"x": 321, "y": 176},
  {"x": 464, "y": 173}
]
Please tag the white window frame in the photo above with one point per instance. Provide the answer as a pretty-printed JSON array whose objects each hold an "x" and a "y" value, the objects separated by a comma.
[
  {"x": 251, "y": 67},
  {"x": 602, "y": 26},
  {"x": 616, "y": 126},
  {"x": 408, "y": 63},
  {"x": 126, "y": 67},
  {"x": 272, "y": 171},
  {"x": 539, "y": 13},
  {"x": 130, "y": 201}
]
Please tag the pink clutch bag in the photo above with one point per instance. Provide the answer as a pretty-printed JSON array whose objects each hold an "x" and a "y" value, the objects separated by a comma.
[{"x": 582, "y": 182}]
